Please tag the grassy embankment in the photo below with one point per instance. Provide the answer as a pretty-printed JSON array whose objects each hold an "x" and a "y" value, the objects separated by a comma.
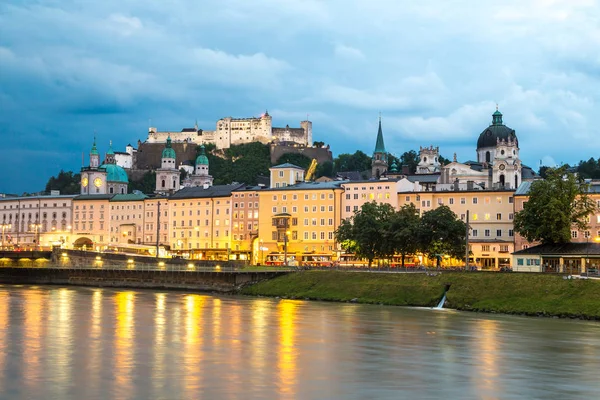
[{"x": 530, "y": 294}]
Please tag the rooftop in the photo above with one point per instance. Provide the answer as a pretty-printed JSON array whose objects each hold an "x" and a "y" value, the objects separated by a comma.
[
  {"x": 560, "y": 249},
  {"x": 310, "y": 186},
  {"x": 201, "y": 192},
  {"x": 286, "y": 165}
]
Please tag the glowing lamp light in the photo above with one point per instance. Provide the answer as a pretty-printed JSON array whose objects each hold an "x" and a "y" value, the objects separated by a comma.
[
  {"x": 190, "y": 266},
  {"x": 161, "y": 264}
]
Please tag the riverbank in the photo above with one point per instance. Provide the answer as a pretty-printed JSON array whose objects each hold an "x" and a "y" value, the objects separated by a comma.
[{"x": 511, "y": 293}]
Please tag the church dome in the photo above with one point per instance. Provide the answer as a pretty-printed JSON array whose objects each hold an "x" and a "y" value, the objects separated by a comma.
[
  {"x": 114, "y": 173},
  {"x": 168, "y": 152},
  {"x": 497, "y": 130},
  {"x": 202, "y": 159}
]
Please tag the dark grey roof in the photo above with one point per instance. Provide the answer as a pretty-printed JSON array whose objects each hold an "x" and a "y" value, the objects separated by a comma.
[
  {"x": 350, "y": 175},
  {"x": 562, "y": 249},
  {"x": 377, "y": 181},
  {"x": 248, "y": 188},
  {"x": 94, "y": 197},
  {"x": 425, "y": 178},
  {"x": 189, "y": 130},
  {"x": 211, "y": 191},
  {"x": 527, "y": 172},
  {"x": 43, "y": 197}
]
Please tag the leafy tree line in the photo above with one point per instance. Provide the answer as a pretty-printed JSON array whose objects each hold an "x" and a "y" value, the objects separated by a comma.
[
  {"x": 376, "y": 230},
  {"x": 555, "y": 206},
  {"x": 66, "y": 181}
]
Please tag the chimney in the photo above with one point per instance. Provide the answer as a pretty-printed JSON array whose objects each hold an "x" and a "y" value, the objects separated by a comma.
[{"x": 456, "y": 185}]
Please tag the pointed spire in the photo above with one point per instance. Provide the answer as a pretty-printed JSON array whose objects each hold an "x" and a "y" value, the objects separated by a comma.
[
  {"x": 168, "y": 146},
  {"x": 94, "y": 150},
  {"x": 379, "y": 145}
]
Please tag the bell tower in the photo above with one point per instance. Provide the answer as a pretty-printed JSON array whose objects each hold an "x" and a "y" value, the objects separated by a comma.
[{"x": 379, "y": 164}]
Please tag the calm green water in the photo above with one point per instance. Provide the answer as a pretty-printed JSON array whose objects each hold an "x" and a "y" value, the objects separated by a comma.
[{"x": 83, "y": 343}]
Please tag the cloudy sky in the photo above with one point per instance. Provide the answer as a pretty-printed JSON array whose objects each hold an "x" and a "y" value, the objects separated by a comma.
[{"x": 434, "y": 69}]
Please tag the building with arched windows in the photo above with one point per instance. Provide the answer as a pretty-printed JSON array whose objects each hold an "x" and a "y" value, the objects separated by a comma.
[{"x": 108, "y": 178}]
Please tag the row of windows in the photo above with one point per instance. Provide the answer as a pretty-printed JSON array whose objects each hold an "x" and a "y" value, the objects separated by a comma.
[
  {"x": 307, "y": 209},
  {"x": 306, "y": 196},
  {"x": 206, "y": 233},
  {"x": 9, "y": 207},
  {"x": 370, "y": 196},
  {"x": 123, "y": 207},
  {"x": 242, "y": 195},
  {"x": 280, "y": 236},
  {"x": 488, "y": 233},
  {"x": 241, "y": 214},
  {"x": 29, "y": 215},
  {"x": 586, "y": 234},
  {"x": 90, "y": 225},
  {"x": 206, "y": 222},
  {"x": 91, "y": 207},
  {"x": 463, "y": 200},
  {"x": 241, "y": 205},
  {"x": 190, "y": 212},
  {"x": 371, "y": 188},
  {"x": 217, "y": 202},
  {"x": 486, "y": 247}
]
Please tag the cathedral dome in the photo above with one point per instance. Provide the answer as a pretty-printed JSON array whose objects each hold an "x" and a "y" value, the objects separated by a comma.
[
  {"x": 114, "y": 173},
  {"x": 497, "y": 130},
  {"x": 202, "y": 159}
]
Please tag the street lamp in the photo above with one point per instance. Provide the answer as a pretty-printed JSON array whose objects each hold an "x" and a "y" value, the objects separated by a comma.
[
  {"x": 36, "y": 228},
  {"x": 261, "y": 251},
  {"x": 4, "y": 227}
]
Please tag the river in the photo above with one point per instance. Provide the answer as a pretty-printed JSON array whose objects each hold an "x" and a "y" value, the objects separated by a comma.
[{"x": 90, "y": 343}]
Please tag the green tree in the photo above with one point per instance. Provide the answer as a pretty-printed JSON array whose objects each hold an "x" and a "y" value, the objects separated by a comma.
[
  {"x": 298, "y": 159},
  {"x": 324, "y": 169},
  {"x": 67, "y": 182},
  {"x": 401, "y": 233},
  {"x": 318, "y": 144},
  {"x": 362, "y": 233},
  {"x": 442, "y": 233},
  {"x": 239, "y": 163},
  {"x": 555, "y": 206},
  {"x": 589, "y": 169},
  {"x": 146, "y": 184},
  {"x": 182, "y": 175},
  {"x": 411, "y": 159},
  {"x": 358, "y": 161}
]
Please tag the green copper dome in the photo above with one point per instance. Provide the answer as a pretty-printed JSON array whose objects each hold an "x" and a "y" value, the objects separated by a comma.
[
  {"x": 168, "y": 152},
  {"x": 202, "y": 159},
  {"x": 114, "y": 173}
]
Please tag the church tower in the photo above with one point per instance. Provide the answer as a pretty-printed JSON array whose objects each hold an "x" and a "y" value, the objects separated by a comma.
[
  {"x": 94, "y": 156},
  {"x": 167, "y": 176},
  {"x": 200, "y": 177},
  {"x": 379, "y": 164}
]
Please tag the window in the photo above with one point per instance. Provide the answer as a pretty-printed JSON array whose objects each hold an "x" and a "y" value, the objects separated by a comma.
[
  {"x": 487, "y": 233},
  {"x": 275, "y": 212},
  {"x": 510, "y": 200},
  {"x": 503, "y": 248},
  {"x": 586, "y": 234},
  {"x": 305, "y": 235},
  {"x": 274, "y": 236},
  {"x": 474, "y": 200},
  {"x": 485, "y": 248},
  {"x": 330, "y": 221},
  {"x": 355, "y": 196},
  {"x": 487, "y": 216},
  {"x": 322, "y": 235},
  {"x": 407, "y": 198},
  {"x": 314, "y": 235},
  {"x": 474, "y": 232},
  {"x": 451, "y": 200},
  {"x": 314, "y": 222},
  {"x": 463, "y": 200},
  {"x": 440, "y": 201},
  {"x": 348, "y": 196},
  {"x": 274, "y": 197},
  {"x": 347, "y": 208},
  {"x": 499, "y": 217},
  {"x": 510, "y": 216},
  {"x": 294, "y": 209},
  {"x": 486, "y": 200},
  {"x": 498, "y": 232},
  {"x": 573, "y": 234},
  {"x": 305, "y": 221},
  {"x": 322, "y": 221},
  {"x": 281, "y": 176}
]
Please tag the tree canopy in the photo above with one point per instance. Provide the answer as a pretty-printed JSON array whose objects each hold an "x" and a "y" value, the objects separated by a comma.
[
  {"x": 146, "y": 184},
  {"x": 442, "y": 233},
  {"x": 298, "y": 159},
  {"x": 362, "y": 233},
  {"x": 66, "y": 181},
  {"x": 556, "y": 205},
  {"x": 239, "y": 163},
  {"x": 376, "y": 230},
  {"x": 358, "y": 161}
]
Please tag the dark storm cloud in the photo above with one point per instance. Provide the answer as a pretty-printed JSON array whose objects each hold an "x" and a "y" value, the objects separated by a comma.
[{"x": 434, "y": 69}]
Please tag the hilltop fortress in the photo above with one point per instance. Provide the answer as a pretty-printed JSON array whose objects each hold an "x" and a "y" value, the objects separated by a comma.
[{"x": 229, "y": 131}]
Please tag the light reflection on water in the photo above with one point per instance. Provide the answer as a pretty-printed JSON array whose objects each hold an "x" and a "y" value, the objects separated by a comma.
[{"x": 68, "y": 343}]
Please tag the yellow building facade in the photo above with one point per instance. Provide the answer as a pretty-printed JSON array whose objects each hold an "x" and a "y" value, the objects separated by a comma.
[
  {"x": 308, "y": 213},
  {"x": 491, "y": 214}
]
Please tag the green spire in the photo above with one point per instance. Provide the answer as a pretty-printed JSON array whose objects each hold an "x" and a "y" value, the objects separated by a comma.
[
  {"x": 94, "y": 148},
  {"x": 497, "y": 117},
  {"x": 394, "y": 167},
  {"x": 110, "y": 150},
  {"x": 379, "y": 146}
]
